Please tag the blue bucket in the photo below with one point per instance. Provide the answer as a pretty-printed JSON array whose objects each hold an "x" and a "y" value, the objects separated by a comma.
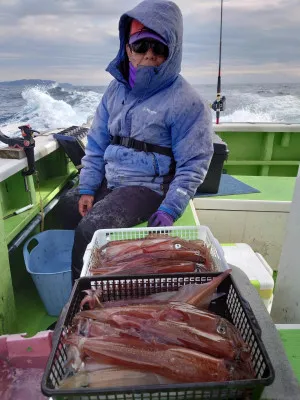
[{"x": 49, "y": 264}]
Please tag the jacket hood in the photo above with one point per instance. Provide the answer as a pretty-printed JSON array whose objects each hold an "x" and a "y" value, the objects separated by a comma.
[{"x": 165, "y": 18}]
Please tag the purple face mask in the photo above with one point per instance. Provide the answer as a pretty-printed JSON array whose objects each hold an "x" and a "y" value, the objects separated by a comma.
[
  {"x": 143, "y": 34},
  {"x": 132, "y": 75}
]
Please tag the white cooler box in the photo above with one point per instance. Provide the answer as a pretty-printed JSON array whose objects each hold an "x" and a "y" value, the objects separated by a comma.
[
  {"x": 103, "y": 236},
  {"x": 255, "y": 267}
]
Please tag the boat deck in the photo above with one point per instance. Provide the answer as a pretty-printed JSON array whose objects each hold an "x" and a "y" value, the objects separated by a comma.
[
  {"x": 31, "y": 314},
  {"x": 272, "y": 188},
  {"x": 291, "y": 342},
  {"x": 32, "y": 317}
]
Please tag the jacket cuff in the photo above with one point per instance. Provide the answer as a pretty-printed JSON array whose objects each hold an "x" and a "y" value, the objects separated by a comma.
[
  {"x": 87, "y": 191},
  {"x": 168, "y": 211}
]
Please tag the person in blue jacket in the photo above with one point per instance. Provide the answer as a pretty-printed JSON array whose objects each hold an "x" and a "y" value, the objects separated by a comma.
[{"x": 150, "y": 143}]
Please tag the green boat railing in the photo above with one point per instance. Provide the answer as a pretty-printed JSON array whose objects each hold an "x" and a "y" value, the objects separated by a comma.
[{"x": 261, "y": 149}]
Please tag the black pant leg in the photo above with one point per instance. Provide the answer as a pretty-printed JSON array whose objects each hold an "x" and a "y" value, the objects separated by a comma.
[
  {"x": 122, "y": 208},
  {"x": 67, "y": 209}
]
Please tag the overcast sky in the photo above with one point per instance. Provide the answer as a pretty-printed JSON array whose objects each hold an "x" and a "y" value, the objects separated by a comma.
[{"x": 74, "y": 40}]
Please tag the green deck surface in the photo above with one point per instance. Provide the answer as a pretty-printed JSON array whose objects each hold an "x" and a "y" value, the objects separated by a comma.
[
  {"x": 187, "y": 219},
  {"x": 31, "y": 314},
  {"x": 272, "y": 188},
  {"x": 291, "y": 342}
]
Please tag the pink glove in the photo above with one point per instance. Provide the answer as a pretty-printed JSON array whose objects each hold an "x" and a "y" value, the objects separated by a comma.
[{"x": 160, "y": 218}]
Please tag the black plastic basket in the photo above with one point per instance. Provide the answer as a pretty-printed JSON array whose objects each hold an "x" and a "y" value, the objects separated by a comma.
[{"x": 231, "y": 306}]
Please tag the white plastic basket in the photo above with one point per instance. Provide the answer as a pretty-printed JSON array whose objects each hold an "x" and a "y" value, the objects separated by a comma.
[{"x": 103, "y": 236}]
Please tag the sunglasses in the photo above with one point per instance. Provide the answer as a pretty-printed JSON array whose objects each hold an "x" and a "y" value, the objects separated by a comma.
[{"x": 143, "y": 45}]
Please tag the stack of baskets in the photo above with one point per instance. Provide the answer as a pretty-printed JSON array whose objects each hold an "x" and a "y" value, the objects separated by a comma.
[{"x": 231, "y": 306}]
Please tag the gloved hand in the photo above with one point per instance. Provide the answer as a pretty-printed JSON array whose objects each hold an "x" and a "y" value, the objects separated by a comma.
[{"x": 160, "y": 218}]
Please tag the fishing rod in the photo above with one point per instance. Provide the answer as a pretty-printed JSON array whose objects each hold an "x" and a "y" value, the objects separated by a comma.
[{"x": 220, "y": 103}]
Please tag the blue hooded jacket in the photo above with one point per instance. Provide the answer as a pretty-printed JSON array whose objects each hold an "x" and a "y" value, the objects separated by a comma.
[{"x": 161, "y": 108}]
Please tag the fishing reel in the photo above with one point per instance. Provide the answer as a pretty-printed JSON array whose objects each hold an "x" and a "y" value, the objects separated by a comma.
[
  {"x": 28, "y": 133},
  {"x": 219, "y": 105},
  {"x": 28, "y": 146},
  {"x": 26, "y": 143}
]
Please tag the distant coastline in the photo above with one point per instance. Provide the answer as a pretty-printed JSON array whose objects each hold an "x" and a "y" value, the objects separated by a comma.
[{"x": 23, "y": 82}]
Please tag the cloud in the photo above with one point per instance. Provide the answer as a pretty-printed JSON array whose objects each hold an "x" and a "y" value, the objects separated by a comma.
[{"x": 74, "y": 40}]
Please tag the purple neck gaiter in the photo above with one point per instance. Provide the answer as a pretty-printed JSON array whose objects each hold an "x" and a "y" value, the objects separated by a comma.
[{"x": 132, "y": 75}]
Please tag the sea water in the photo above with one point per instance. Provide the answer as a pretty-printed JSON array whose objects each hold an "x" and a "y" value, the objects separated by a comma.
[{"x": 54, "y": 106}]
